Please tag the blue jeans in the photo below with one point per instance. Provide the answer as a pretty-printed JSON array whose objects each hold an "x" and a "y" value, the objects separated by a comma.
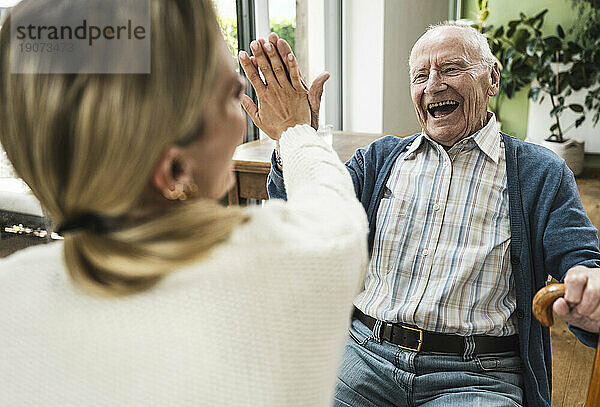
[{"x": 381, "y": 374}]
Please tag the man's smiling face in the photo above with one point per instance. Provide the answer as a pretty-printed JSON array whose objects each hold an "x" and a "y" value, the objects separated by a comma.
[{"x": 451, "y": 83}]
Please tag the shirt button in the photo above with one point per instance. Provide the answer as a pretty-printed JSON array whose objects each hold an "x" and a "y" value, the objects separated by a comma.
[
  {"x": 436, "y": 207},
  {"x": 520, "y": 314},
  {"x": 445, "y": 164},
  {"x": 425, "y": 252}
]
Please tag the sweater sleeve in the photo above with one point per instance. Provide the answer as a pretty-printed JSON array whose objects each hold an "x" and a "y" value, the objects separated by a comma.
[
  {"x": 321, "y": 209},
  {"x": 570, "y": 239},
  {"x": 312, "y": 168},
  {"x": 355, "y": 166}
]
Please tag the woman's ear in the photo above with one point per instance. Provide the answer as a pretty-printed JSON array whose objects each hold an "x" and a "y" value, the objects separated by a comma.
[
  {"x": 171, "y": 173},
  {"x": 494, "y": 80}
]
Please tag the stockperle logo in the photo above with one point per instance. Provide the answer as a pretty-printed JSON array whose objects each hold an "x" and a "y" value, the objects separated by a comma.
[{"x": 81, "y": 36}]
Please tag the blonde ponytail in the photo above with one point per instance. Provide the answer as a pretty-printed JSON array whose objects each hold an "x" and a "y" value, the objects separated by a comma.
[{"x": 88, "y": 144}]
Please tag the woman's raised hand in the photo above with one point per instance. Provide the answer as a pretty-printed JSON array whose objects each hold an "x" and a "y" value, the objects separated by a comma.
[{"x": 283, "y": 102}]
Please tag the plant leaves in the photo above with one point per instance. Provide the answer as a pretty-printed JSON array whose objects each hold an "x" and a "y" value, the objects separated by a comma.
[
  {"x": 560, "y": 31},
  {"x": 552, "y": 43},
  {"x": 484, "y": 15},
  {"x": 531, "y": 47},
  {"x": 579, "y": 121},
  {"x": 521, "y": 38},
  {"x": 540, "y": 19},
  {"x": 577, "y": 108},
  {"x": 498, "y": 33},
  {"x": 574, "y": 47},
  {"x": 556, "y": 111},
  {"x": 512, "y": 26},
  {"x": 534, "y": 93},
  {"x": 541, "y": 14}
]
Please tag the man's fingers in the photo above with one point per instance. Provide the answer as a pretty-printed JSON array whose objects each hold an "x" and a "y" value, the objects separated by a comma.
[
  {"x": 575, "y": 282},
  {"x": 251, "y": 72},
  {"x": 254, "y": 62},
  {"x": 276, "y": 64},
  {"x": 250, "y": 108},
  {"x": 571, "y": 316},
  {"x": 561, "y": 307},
  {"x": 590, "y": 298},
  {"x": 263, "y": 63}
]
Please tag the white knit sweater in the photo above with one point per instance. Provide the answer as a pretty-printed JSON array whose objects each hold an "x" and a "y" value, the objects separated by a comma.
[{"x": 260, "y": 322}]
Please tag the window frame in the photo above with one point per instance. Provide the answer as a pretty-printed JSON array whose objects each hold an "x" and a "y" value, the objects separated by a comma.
[{"x": 246, "y": 32}]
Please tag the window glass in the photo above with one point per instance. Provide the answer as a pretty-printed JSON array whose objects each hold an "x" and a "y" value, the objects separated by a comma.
[
  {"x": 282, "y": 18},
  {"x": 227, "y": 17},
  {"x": 5, "y": 5}
]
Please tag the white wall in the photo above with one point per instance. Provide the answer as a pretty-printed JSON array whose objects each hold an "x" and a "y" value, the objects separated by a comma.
[
  {"x": 378, "y": 36},
  {"x": 404, "y": 22},
  {"x": 539, "y": 122},
  {"x": 362, "y": 65}
]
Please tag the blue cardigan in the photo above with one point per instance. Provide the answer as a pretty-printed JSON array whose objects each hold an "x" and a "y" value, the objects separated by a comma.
[{"x": 550, "y": 233}]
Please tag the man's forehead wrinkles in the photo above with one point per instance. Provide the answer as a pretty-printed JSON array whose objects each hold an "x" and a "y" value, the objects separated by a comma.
[{"x": 439, "y": 61}]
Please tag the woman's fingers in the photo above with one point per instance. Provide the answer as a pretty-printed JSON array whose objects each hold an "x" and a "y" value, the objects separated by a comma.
[
  {"x": 276, "y": 64},
  {"x": 251, "y": 72},
  {"x": 294, "y": 73},
  {"x": 263, "y": 63},
  {"x": 273, "y": 38},
  {"x": 250, "y": 108},
  {"x": 284, "y": 49}
]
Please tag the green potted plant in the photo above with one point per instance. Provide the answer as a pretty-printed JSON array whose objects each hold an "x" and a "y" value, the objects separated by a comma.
[
  {"x": 552, "y": 65},
  {"x": 587, "y": 34}
]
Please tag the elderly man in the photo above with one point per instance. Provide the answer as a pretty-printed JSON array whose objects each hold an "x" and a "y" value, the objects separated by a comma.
[{"x": 466, "y": 224}]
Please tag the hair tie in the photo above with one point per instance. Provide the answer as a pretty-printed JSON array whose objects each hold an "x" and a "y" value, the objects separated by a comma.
[{"x": 86, "y": 221}]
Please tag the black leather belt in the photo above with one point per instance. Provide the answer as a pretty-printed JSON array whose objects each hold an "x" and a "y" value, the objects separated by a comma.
[{"x": 418, "y": 340}]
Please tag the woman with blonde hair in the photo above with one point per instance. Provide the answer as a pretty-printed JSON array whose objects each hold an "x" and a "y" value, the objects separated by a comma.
[{"x": 159, "y": 295}]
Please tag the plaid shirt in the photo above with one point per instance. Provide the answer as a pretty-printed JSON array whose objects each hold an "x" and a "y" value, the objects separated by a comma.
[{"x": 441, "y": 250}]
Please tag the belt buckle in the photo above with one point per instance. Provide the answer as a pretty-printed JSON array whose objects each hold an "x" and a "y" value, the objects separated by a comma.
[{"x": 419, "y": 341}]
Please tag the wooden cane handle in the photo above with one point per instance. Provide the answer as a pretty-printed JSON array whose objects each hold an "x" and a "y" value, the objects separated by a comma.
[
  {"x": 543, "y": 300},
  {"x": 542, "y": 309}
]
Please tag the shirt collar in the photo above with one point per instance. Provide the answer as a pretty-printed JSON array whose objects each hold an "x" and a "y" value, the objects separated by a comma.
[
  {"x": 412, "y": 148},
  {"x": 487, "y": 139}
]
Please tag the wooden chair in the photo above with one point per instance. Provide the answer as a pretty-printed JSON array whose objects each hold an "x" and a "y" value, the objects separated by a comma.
[{"x": 542, "y": 309}]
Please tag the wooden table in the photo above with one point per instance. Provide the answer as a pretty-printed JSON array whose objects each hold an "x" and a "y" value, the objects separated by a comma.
[{"x": 252, "y": 163}]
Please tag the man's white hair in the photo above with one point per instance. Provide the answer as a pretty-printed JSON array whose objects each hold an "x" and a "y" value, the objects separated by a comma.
[{"x": 470, "y": 35}]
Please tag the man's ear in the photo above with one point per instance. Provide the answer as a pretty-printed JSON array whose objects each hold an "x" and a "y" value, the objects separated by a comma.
[
  {"x": 171, "y": 171},
  {"x": 494, "y": 80}
]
